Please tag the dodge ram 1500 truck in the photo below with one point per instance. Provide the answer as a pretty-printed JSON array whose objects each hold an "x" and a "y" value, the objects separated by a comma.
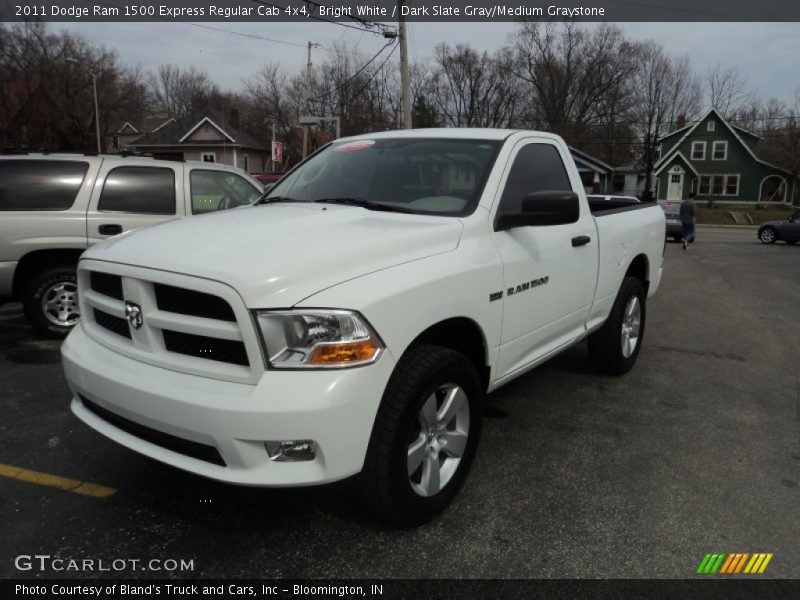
[{"x": 350, "y": 323}]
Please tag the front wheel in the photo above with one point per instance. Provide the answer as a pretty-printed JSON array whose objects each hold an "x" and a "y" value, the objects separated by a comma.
[
  {"x": 50, "y": 302},
  {"x": 768, "y": 235},
  {"x": 424, "y": 438},
  {"x": 614, "y": 347}
]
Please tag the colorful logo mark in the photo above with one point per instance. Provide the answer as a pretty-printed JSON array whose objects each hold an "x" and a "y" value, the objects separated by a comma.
[{"x": 735, "y": 562}]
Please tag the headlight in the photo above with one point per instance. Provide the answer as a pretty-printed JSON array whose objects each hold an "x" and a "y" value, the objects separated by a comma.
[{"x": 309, "y": 339}]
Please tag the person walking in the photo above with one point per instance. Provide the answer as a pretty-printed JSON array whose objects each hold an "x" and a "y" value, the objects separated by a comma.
[{"x": 688, "y": 213}]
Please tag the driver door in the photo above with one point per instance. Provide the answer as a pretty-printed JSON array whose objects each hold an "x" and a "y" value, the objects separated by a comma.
[{"x": 550, "y": 271}]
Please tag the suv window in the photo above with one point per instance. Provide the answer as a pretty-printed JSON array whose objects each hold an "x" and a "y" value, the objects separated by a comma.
[
  {"x": 218, "y": 190},
  {"x": 40, "y": 184},
  {"x": 537, "y": 168},
  {"x": 146, "y": 190}
]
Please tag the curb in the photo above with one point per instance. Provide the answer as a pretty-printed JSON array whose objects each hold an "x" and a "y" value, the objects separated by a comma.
[{"x": 726, "y": 226}]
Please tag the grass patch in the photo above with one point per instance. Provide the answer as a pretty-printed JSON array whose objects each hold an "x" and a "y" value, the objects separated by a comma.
[{"x": 718, "y": 215}]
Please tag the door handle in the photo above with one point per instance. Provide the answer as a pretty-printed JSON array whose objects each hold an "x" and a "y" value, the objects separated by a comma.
[
  {"x": 580, "y": 240},
  {"x": 110, "y": 229}
]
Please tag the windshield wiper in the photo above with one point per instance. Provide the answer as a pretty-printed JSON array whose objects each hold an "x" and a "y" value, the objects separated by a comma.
[
  {"x": 364, "y": 203},
  {"x": 274, "y": 199}
]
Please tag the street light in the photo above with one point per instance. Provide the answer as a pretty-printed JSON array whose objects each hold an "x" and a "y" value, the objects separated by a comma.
[{"x": 75, "y": 61}]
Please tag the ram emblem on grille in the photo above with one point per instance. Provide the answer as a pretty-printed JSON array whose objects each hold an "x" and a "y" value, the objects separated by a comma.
[{"x": 133, "y": 312}]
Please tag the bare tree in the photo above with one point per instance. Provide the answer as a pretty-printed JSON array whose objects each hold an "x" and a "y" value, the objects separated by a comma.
[
  {"x": 727, "y": 90},
  {"x": 472, "y": 89},
  {"x": 661, "y": 89},
  {"x": 568, "y": 71},
  {"x": 32, "y": 58},
  {"x": 181, "y": 93}
]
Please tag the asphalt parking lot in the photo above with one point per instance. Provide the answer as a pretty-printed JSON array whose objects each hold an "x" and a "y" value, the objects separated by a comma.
[{"x": 696, "y": 450}]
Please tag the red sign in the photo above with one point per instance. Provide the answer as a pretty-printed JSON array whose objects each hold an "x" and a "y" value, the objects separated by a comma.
[{"x": 277, "y": 151}]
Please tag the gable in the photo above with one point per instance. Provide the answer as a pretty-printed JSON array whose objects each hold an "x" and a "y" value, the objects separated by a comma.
[
  {"x": 677, "y": 159},
  {"x": 206, "y": 131},
  {"x": 127, "y": 128}
]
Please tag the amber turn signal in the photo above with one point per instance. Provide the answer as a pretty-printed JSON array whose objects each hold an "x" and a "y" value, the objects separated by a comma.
[{"x": 343, "y": 353}]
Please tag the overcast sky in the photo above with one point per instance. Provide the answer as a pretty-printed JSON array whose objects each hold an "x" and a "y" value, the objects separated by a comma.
[{"x": 767, "y": 54}]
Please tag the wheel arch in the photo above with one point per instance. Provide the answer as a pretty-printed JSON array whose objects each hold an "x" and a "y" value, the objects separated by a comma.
[
  {"x": 38, "y": 260},
  {"x": 640, "y": 269},
  {"x": 463, "y": 335}
]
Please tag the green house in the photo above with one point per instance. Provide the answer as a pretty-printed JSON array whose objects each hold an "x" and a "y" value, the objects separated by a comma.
[{"x": 718, "y": 161}]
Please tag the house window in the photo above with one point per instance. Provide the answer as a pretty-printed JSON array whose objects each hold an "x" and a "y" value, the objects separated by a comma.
[
  {"x": 698, "y": 150},
  {"x": 732, "y": 185},
  {"x": 717, "y": 185},
  {"x": 705, "y": 185},
  {"x": 675, "y": 178},
  {"x": 720, "y": 151},
  {"x": 210, "y": 157},
  {"x": 711, "y": 126}
]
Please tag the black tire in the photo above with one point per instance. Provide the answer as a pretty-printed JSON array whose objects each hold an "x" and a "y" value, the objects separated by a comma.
[
  {"x": 768, "y": 235},
  {"x": 605, "y": 344},
  {"x": 384, "y": 486},
  {"x": 33, "y": 294}
]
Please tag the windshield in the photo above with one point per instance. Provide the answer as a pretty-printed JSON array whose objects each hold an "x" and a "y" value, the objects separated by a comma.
[{"x": 419, "y": 175}]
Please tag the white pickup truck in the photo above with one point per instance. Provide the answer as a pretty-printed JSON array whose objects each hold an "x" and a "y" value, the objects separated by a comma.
[{"x": 350, "y": 323}]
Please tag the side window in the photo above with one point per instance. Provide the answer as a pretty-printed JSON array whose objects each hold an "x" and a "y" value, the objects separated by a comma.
[
  {"x": 146, "y": 190},
  {"x": 218, "y": 190},
  {"x": 40, "y": 184},
  {"x": 537, "y": 168}
]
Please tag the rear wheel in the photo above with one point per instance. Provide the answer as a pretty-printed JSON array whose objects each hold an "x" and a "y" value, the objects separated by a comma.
[
  {"x": 50, "y": 301},
  {"x": 425, "y": 436},
  {"x": 768, "y": 235},
  {"x": 614, "y": 347}
]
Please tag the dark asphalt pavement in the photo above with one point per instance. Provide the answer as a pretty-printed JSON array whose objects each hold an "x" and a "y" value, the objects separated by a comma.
[{"x": 696, "y": 450}]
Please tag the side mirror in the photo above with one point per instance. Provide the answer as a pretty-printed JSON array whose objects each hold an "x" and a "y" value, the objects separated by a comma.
[{"x": 542, "y": 208}]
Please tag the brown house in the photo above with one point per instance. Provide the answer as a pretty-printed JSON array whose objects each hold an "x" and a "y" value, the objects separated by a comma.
[
  {"x": 209, "y": 139},
  {"x": 30, "y": 121}
]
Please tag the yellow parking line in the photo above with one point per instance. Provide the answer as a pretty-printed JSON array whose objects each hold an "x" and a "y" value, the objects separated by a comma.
[{"x": 55, "y": 481}]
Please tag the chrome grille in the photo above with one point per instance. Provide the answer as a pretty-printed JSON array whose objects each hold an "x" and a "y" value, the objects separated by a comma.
[{"x": 188, "y": 324}]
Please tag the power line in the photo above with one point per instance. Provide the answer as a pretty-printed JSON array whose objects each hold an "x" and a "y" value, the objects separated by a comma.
[
  {"x": 316, "y": 17},
  {"x": 247, "y": 35}
]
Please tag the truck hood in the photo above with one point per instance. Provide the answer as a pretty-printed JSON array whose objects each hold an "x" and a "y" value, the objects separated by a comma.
[{"x": 276, "y": 255}]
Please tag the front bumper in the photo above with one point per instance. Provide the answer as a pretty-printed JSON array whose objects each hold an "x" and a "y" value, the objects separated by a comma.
[{"x": 335, "y": 408}]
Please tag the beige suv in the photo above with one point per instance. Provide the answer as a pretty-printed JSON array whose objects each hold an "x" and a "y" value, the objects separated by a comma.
[{"x": 54, "y": 206}]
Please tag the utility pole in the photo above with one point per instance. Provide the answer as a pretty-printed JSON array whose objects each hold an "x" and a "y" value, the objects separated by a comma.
[
  {"x": 307, "y": 97},
  {"x": 272, "y": 147},
  {"x": 404, "y": 79},
  {"x": 96, "y": 112}
]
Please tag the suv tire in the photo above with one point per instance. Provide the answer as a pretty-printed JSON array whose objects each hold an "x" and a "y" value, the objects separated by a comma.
[{"x": 50, "y": 301}]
